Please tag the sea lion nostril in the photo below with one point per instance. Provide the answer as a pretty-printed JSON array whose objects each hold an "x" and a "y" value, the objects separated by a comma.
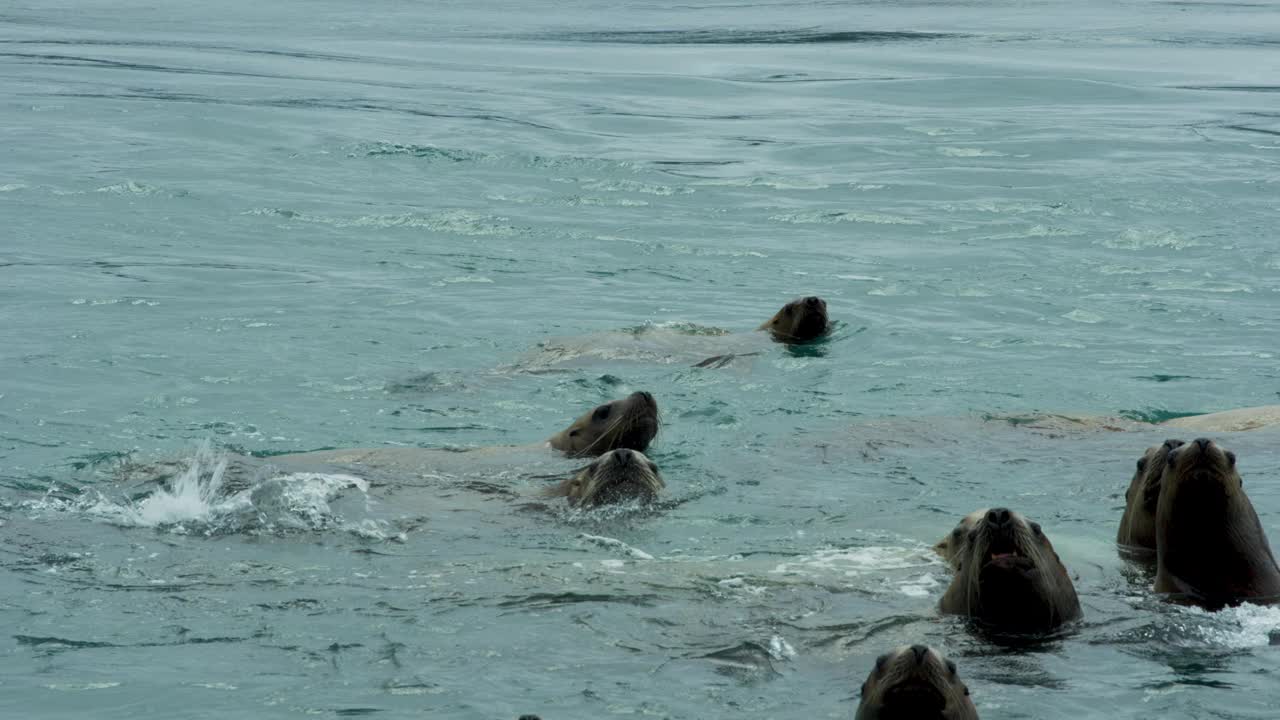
[
  {"x": 999, "y": 517},
  {"x": 1171, "y": 443},
  {"x": 920, "y": 651},
  {"x": 1203, "y": 443},
  {"x": 812, "y": 301}
]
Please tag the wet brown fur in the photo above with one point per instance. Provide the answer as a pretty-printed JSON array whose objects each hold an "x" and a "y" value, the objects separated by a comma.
[{"x": 1211, "y": 549}]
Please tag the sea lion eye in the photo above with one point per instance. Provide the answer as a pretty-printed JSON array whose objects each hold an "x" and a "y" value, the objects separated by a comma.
[
  {"x": 966, "y": 690},
  {"x": 881, "y": 662},
  {"x": 653, "y": 467},
  {"x": 957, "y": 533},
  {"x": 1231, "y": 458},
  {"x": 601, "y": 413},
  {"x": 951, "y": 667},
  {"x": 573, "y": 433},
  {"x": 788, "y": 310},
  {"x": 1142, "y": 464},
  {"x": 1035, "y": 528}
]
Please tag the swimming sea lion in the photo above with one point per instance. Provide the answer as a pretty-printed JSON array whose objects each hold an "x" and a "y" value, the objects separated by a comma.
[
  {"x": 1210, "y": 547},
  {"x": 631, "y": 422},
  {"x": 915, "y": 683},
  {"x": 1138, "y": 524},
  {"x": 799, "y": 321},
  {"x": 616, "y": 476},
  {"x": 1009, "y": 578}
]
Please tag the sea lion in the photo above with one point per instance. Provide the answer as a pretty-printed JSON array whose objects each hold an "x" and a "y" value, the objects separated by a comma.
[
  {"x": 616, "y": 476},
  {"x": 1009, "y": 578},
  {"x": 799, "y": 321},
  {"x": 1237, "y": 420},
  {"x": 1138, "y": 524},
  {"x": 952, "y": 547},
  {"x": 915, "y": 683},
  {"x": 631, "y": 422},
  {"x": 1211, "y": 550}
]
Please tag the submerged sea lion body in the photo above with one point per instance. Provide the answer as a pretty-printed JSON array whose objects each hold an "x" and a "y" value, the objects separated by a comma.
[
  {"x": 1211, "y": 549},
  {"x": 1009, "y": 578},
  {"x": 799, "y": 321},
  {"x": 1138, "y": 523},
  {"x": 631, "y": 422},
  {"x": 1237, "y": 420},
  {"x": 915, "y": 683},
  {"x": 616, "y": 476}
]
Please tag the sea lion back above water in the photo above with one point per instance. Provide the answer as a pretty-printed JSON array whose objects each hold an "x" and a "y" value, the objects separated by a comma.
[
  {"x": 1138, "y": 523},
  {"x": 617, "y": 476},
  {"x": 1009, "y": 578},
  {"x": 915, "y": 683},
  {"x": 799, "y": 321},
  {"x": 631, "y": 422},
  {"x": 1211, "y": 549}
]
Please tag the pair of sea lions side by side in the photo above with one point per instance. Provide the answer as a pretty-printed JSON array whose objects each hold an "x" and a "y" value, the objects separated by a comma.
[
  {"x": 915, "y": 683},
  {"x": 798, "y": 322},
  {"x": 616, "y": 433},
  {"x": 1187, "y": 503},
  {"x": 1007, "y": 576}
]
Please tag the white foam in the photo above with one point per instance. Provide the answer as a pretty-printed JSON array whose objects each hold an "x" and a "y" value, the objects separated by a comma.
[
  {"x": 1238, "y": 627},
  {"x": 195, "y": 502},
  {"x": 614, "y": 543},
  {"x": 854, "y": 562}
]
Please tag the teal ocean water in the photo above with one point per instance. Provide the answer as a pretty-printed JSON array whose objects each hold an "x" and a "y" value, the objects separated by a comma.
[{"x": 268, "y": 228}]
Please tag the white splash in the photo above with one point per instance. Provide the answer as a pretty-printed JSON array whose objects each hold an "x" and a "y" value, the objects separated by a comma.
[
  {"x": 196, "y": 502},
  {"x": 616, "y": 544},
  {"x": 1238, "y": 627}
]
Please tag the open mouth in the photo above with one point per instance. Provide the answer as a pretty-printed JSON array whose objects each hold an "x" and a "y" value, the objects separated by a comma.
[
  {"x": 1003, "y": 551},
  {"x": 915, "y": 698}
]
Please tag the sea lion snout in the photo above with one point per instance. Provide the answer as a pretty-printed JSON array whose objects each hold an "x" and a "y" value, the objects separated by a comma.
[
  {"x": 999, "y": 518},
  {"x": 813, "y": 301},
  {"x": 919, "y": 651},
  {"x": 1203, "y": 443}
]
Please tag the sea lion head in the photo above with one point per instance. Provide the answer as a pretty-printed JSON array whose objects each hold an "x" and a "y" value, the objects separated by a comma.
[
  {"x": 1138, "y": 524},
  {"x": 799, "y": 321},
  {"x": 1211, "y": 548},
  {"x": 1009, "y": 577},
  {"x": 616, "y": 476},
  {"x": 915, "y": 683},
  {"x": 631, "y": 422},
  {"x": 1199, "y": 467},
  {"x": 952, "y": 547}
]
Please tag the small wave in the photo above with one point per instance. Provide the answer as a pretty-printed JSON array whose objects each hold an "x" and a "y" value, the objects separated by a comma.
[
  {"x": 1084, "y": 316},
  {"x": 832, "y": 217},
  {"x": 964, "y": 152},
  {"x": 425, "y": 152},
  {"x": 746, "y": 37},
  {"x": 458, "y": 222},
  {"x": 615, "y": 544},
  {"x": 1140, "y": 238}
]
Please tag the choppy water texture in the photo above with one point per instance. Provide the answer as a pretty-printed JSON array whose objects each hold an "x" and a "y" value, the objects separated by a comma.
[{"x": 283, "y": 226}]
